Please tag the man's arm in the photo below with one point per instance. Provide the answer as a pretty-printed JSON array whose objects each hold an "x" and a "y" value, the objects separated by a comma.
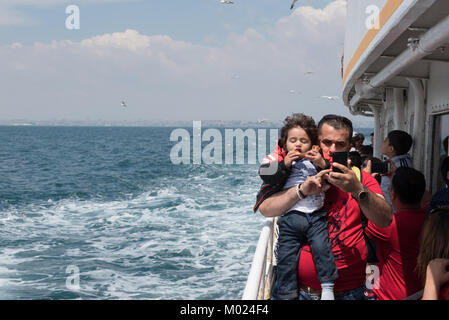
[
  {"x": 377, "y": 234},
  {"x": 375, "y": 208},
  {"x": 280, "y": 202}
]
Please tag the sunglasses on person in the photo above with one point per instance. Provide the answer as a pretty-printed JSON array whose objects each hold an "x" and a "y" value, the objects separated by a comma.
[{"x": 440, "y": 210}]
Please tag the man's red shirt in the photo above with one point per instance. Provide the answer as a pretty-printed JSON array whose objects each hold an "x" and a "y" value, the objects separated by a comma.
[
  {"x": 346, "y": 237},
  {"x": 397, "y": 248}
]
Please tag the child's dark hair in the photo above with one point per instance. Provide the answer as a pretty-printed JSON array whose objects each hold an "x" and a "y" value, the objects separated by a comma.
[
  {"x": 401, "y": 141},
  {"x": 299, "y": 120}
]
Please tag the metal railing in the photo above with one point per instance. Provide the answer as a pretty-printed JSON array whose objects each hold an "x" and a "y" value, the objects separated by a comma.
[{"x": 260, "y": 278}]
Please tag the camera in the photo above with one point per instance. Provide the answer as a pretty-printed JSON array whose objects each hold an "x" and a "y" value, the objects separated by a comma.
[{"x": 380, "y": 167}]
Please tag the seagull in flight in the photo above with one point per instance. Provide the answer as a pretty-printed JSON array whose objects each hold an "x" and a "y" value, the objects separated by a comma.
[
  {"x": 294, "y": 2},
  {"x": 226, "y": 1},
  {"x": 260, "y": 121},
  {"x": 330, "y": 97},
  {"x": 309, "y": 72},
  {"x": 124, "y": 104}
]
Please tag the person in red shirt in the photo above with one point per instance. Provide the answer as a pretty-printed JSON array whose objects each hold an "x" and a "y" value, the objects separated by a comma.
[
  {"x": 346, "y": 197},
  {"x": 397, "y": 246}
]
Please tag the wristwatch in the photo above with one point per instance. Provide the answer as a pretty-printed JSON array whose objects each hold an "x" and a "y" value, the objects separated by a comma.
[
  {"x": 363, "y": 194},
  {"x": 299, "y": 193}
]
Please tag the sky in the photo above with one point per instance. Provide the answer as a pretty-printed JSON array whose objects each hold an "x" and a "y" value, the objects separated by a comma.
[{"x": 170, "y": 60}]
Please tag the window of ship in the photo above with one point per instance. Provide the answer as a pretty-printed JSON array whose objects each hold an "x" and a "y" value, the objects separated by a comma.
[{"x": 440, "y": 149}]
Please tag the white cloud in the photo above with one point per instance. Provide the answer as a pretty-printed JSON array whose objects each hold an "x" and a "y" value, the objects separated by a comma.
[
  {"x": 134, "y": 41},
  {"x": 130, "y": 39},
  {"x": 162, "y": 78}
]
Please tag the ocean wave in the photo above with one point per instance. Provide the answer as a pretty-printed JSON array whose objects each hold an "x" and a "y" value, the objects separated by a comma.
[
  {"x": 109, "y": 203},
  {"x": 166, "y": 239}
]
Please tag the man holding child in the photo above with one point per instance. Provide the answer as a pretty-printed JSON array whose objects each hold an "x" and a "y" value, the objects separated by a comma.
[{"x": 347, "y": 198}]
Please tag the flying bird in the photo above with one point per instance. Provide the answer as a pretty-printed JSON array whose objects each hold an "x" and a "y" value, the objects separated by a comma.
[
  {"x": 330, "y": 97},
  {"x": 124, "y": 104},
  {"x": 309, "y": 72},
  {"x": 260, "y": 121},
  {"x": 226, "y": 1},
  {"x": 294, "y": 2}
]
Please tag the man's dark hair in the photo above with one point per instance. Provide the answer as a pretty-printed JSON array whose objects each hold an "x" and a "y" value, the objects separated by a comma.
[
  {"x": 375, "y": 160},
  {"x": 409, "y": 184},
  {"x": 366, "y": 151},
  {"x": 358, "y": 137},
  {"x": 299, "y": 120},
  {"x": 336, "y": 122},
  {"x": 401, "y": 141}
]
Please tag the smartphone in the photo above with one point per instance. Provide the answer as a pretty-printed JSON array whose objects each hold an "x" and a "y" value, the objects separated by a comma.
[
  {"x": 380, "y": 167},
  {"x": 340, "y": 157}
]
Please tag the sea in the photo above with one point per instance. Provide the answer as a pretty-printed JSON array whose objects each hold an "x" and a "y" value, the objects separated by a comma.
[{"x": 105, "y": 213}]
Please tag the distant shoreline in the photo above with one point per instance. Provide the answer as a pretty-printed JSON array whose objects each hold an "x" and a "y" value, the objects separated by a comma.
[{"x": 162, "y": 124}]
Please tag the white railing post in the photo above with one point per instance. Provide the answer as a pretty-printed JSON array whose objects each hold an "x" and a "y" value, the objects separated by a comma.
[
  {"x": 268, "y": 269},
  {"x": 258, "y": 267}
]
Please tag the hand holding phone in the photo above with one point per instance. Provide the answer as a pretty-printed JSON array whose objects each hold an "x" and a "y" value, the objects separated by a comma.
[{"x": 340, "y": 157}]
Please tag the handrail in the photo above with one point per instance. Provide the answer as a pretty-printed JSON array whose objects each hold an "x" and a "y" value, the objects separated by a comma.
[{"x": 258, "y": 285}]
